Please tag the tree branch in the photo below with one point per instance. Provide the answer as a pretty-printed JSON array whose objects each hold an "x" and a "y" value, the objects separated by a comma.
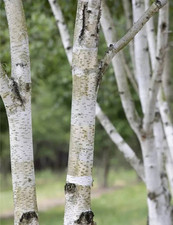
[
  {"x": 120, "y": 73},
  {"x": 128, "y": 153},
  {"x": 116, "y": 47},
  {"x": 64, "y": 33}
]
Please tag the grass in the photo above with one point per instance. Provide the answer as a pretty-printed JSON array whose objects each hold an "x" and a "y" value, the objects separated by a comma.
[{"x": 123, "y": 206}]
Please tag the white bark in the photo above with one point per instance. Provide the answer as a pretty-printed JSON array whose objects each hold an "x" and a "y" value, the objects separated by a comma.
[
  {"x": 85, "y": 72},
  {"x": 161, "y": 149},
  {"x": 157, "y": 74},
  {"x": 128, "y": 153},
  {"x": 151, "y": 36},
  {"x": 159, "y": 141},
  {"x": 129, "y": 73},
  {"x": 128, "y": 15},
  {"x": 120, "y": 74},
  {"x": 158, "y": 205},
  {"x": 169, "y": 169},
  {"x": 166, "y": 118},
  {"x": 142, "y": 66},
  {"x": 16, "y": 94},
  {"x": 116, "y": 47},
  {"x": 65, "y": 37},
  {"x": 167, "y": 79}
]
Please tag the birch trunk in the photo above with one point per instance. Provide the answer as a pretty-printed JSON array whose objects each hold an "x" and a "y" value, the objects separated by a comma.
[
  {"x": 151, "y": 37},
  {"x": 161, "y": 149},
  {"x": 166, "y": 118},
  {"x": 142, "y": 67},
  {"x": 158, "y": 203},
  {"x": 169, "y": 169},
  {"x": 128, "y": 15},
  {"x": 107, "y": 125},
  {"x": 85, "y": 73},
  {"x": 16, "y": 95},
  {"x": 158, "y": 206}
]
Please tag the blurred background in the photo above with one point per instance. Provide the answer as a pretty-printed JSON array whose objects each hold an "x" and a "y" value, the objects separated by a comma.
[{"x": 118, "y": 194}]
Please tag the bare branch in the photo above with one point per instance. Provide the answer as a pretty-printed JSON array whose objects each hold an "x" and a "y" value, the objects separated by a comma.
[
  {"x": 128, "y": 153},
  {"x": 116, "y": 47},
  {"x": 129, "y": 73},
  {"x": 65, "y": 36},
  {"x": 120, "y": 73}
]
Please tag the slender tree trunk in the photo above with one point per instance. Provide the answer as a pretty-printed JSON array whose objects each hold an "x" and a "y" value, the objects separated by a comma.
[
  {"x": 85, "y": 73},
  {"x": 142, "y": 67},
  {"x": 158, "y": 206},
  {"x": 106, "y": 167},
  {"x": 129, "y": 18},
  {"x": 16, "y": 95}
]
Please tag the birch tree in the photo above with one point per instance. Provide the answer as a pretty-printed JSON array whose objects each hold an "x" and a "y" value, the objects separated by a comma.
[
  {"x": 85, "y": 215},
  {"x": 16, "y": 94},
  {"x": 128, "y": 153}
]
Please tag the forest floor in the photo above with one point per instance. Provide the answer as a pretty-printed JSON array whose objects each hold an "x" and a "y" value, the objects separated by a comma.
[
  {"x": 50, "y": 203},
  {"x": 50, "y": 194}
]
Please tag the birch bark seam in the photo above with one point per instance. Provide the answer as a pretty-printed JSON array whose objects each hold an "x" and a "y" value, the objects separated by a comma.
[{"x": 16, "y": 95}]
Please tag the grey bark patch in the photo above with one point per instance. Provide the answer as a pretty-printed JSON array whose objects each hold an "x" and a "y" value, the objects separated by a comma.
[
  {"x": 139, "y": 4},
  {"x": 21, "y": 64},
  {"x": 85, "y": 218},
  {"x": 163, "y": 26},
  {"x": 69, "y": 47},
  {"x": 158, "y": 58},
  {"x": 16, "y": 91},
  {"x": 158, "y": 3},
  {"x": 28, "y": 87},
  {"x": 152, "y": 195},
  {"x": 26, "y": 217},
  {"x": 83, "y": 22},
  {"x": 70, "y": 188}
]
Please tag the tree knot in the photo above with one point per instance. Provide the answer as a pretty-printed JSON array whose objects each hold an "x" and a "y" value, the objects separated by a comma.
[
  {"x": 70, "y": 188},
  {"x": 26, "y": 217},
  {"x": 86, "y": 218}
]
